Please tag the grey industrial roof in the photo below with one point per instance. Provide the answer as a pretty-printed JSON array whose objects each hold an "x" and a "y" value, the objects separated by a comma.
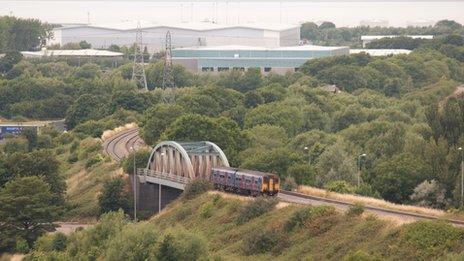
[
  {"x": 132, "y": 25},
  {"x": 77, "y": 53},
  {"x": 255, "y": 48}
]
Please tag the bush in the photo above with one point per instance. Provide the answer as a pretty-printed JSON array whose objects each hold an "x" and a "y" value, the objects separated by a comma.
[
  {"x": 260, "y": 241},
  {"x": 72, "y": 158},
  {"x": 355, "y": 210},
  {"x": 93, "y": 160},
  {"x": 133, "y": 242},
  {"x": 196, "y": 187},
  {"x": 51, "y": 242},
  {"x": 367, "y": 191},
  {"x": 256, "y": 208},
  {"x": 302, "y": 216},
  {"x": 21, "y": 246},
  {"x": 114, "y": 196},
  {"x": 427, "y": 240},
  {"x": 206, "y": 210},
  {"x": 339, "y": 186},
  {"x": 180, "y": 244},
  {"x": 289, "y": 183}
]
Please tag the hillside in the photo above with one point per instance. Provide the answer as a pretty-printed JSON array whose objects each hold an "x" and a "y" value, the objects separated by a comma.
[{"x": 221, "y": 227}]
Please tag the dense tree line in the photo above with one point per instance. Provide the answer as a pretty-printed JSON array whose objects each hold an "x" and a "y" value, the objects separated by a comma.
[
  {"x": 328, "y": 34},
  {"x": 22, "y": 34}
]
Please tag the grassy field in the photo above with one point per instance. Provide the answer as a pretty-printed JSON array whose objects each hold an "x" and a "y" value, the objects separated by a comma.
[{"x": 216, "y": 226}]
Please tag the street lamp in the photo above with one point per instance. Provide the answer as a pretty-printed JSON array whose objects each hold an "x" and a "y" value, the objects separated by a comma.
[
  {"x": 159, "y": 188},
  {"x": 306, "y": 151},
  {"x": 135, "y": 185},
  {"x": 462, "y": 176},
  {"x": 359, "y": 167}
]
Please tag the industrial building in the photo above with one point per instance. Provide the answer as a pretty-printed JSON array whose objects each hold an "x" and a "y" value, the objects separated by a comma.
[
  {"x": 232, "y": 57},
  {"x": 369, "y": 38},
  {"x": 83, "y": 53},
  {"x": 183, "y": 35}
]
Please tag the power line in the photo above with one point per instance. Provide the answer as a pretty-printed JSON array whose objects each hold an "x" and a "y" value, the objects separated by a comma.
[{"x": 138, "y": 69}]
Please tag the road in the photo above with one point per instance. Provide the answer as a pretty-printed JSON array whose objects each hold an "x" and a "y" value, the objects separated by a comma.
[{"x": 120, "y": 145}]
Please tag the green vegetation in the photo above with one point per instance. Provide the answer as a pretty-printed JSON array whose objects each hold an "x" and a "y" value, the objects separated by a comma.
[
  {"x": 404, "y": 112},
  {"x": 288, "y": 233},
  {"x": 328, "y": 34}
]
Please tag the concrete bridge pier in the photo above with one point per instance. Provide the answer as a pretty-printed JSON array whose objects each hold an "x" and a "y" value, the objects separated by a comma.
[{"x": 148, "y": 197}]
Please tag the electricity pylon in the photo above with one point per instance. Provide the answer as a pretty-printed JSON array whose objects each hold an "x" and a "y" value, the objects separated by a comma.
[
  {"x": 168, "y": 78},
  {"x": 138, "y": 69}
]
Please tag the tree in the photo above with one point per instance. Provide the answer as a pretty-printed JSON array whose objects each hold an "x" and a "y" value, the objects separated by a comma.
[
  {"x": 84, "y": 45},
  {"x": 86, "y": 107},
  {"x": 114, "y": 196},
  {"x": 395, "y": 178},
  {"x": 22, "y": 34},
  {"x": 326, "y": 25},
  {"x": 39, "y": 163},
  {"x": 26, "y": 211},
  {"x": 222, "y": 131},
  {"x": 429, "y": 194},
  {"x": 10, "y": 59},
  {"x": 157, "y": 119},
  {"x": 31, "y": 135}
]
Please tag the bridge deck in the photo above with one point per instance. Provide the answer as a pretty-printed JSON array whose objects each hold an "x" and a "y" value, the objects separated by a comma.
[{"x": 151, "y": 176}]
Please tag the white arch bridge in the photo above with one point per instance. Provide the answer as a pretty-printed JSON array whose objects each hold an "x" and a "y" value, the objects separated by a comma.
[{"x": 174, "y": 164}]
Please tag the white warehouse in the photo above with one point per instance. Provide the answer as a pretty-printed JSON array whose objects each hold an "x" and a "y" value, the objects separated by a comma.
[{"x": 183, "y": 35}]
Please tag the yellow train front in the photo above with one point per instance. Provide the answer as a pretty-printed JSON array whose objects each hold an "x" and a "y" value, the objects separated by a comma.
[{"x": 242, "y": 181}]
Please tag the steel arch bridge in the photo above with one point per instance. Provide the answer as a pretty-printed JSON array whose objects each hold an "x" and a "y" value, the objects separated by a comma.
[{"x": 174, "y": 164}]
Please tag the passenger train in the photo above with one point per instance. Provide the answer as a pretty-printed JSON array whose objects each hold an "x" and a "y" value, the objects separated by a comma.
[{"x": 243, "y": 181}]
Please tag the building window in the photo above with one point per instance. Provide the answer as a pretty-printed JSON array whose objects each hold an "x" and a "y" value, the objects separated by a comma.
[
  {"x": 207, "y": 69},
  {"x": 297, "y": 69},
  {"x": 239, "y": 68},
  {"x": 267, "y": 69},
  {"x": 223, "y": 69}
]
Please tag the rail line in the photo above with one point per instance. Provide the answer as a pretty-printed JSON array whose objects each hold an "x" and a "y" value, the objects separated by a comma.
[
  {"x": 378, "y": 210},
  {"x": 120, "y": 146}
]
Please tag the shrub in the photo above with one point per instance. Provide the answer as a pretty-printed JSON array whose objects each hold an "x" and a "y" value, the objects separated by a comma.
[
  {"x": 260, "y": 241},
  {"x": 339, "y": 186},
  {"x": 180, "y": 244},
  {"x": 133, "y": 242},
  {"x": 367, "y": 191},
  {"x": 21, "y": 246},
  {"x": 302, "y": 216},
  {"x": 114, "y": 196},
  {"x": 427, "y": 240},
  {"x": 429, "y": 194},
  {"x": 196, "y": 187},
  {"x": 51, "y": 242},
  {"x": 206, "y": 210},
  {"x": 256, "y": 208},
  {"x": 289, "y": 183},
  {"x": 93, "y": 160},
  {"x": 72, "y": 158},
  {"x": 355, "y": 210}
]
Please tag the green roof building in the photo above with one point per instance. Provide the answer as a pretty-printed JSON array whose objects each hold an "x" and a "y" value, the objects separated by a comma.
[{"x": 225, "y": 58}]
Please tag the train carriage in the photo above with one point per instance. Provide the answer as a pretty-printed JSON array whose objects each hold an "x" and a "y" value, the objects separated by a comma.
[{"x": 245, "y": 181}]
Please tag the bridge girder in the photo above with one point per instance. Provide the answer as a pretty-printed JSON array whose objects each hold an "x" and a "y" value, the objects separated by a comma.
[{"x": 186, "y": 159}]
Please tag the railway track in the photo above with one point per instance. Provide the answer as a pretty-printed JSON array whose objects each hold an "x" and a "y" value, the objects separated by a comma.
[
  {"x": 120, "y": 146},
  {"x": 300, "y": 198}
]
